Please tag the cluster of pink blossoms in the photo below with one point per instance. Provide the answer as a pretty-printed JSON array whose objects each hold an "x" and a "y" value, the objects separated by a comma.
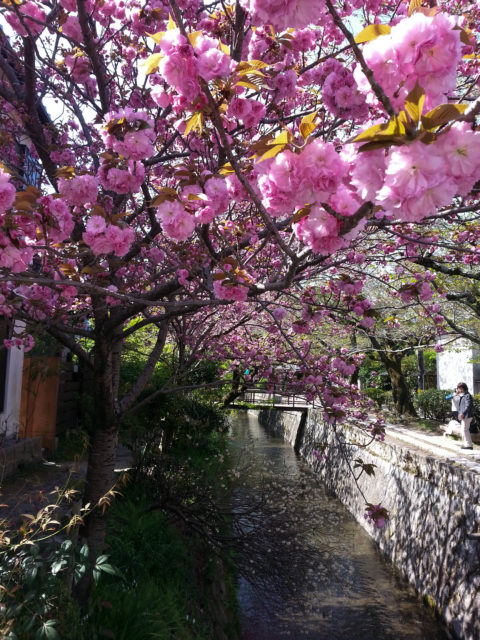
[
  {"x": 27, "y": 342},
  {"x": 14, "y": 254},
  {"x": 285, "y": 14},
  {"x": 340, "y": 92},
  {"x": 228, "y": 291},
  {"x": 313, "y": 177},
  {"x": 79, "y": 190},
  {"x": 103, "y": 238},
  {"x": 182, "y": 64},
  {"x": 177, "y": 223},
  {"x": 412, "y": 182},
  {"x": 80, "y": 68},
  {"x": 250, "y": 112},
  {"x": 377, "y": 514},
  {"x": 56, "y": 218},
  {"x": 130, "y": 133},
  {"x": 32, "y": 21},
  {"x": 195, "y": 206},
  {"x": 120, "y": 175},
  {"x": 7, "y": 192},
  {"x": 293, "y": 180},
  {"x": 423, "y": 49}
]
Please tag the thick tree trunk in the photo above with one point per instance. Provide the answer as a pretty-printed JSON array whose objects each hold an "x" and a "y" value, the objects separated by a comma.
[
  {"x": 235, "y": 391},
  {"x": 102, "y": 455},
  {"x": 99, "y": 481},
  {"x": 393, "y": 364},
  {"x": 400, "y": 391}
]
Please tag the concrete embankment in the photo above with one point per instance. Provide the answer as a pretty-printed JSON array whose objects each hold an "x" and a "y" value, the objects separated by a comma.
[{"x": 432, "y": 536}]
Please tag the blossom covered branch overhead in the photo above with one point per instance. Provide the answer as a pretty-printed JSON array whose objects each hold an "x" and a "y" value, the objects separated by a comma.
[{"x": 171, "y": 157}]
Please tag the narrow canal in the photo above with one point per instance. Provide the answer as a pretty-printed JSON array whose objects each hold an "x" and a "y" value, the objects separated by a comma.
[{"x": 307, "y": 568}]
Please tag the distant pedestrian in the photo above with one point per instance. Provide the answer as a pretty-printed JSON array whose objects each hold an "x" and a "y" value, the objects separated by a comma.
[{"x": 465, "y": 414}]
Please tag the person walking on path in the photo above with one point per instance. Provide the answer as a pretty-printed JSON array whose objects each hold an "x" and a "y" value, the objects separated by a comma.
[
  {"x": 465, "y": 414},
  {"x": 455, "y": 398}
]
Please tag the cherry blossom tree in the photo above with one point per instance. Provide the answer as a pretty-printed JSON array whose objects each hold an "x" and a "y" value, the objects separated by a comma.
[{"x": 181, "y": 161}]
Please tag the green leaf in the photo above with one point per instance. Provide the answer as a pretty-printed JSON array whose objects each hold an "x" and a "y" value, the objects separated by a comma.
[
  {"x": 194, "y": 123},
  {"x": 413, "y": 6},
  {"x": 414, "y": 103},
  {"x": 57, "y": 566},
  {"x": 150, "y": 65},
  {"x": 271, "y": 153},
  {"x": 443, "y": 114},
  {"x": 250, "y": 66},
  {"x": 193, "y": 37},
  {"x": 307, "y": 125},
  {"x": 157, "y": 37},
  {"x": 47, "y": 630},
  {"x": 66, "y": 545},
  {"x": 108, "y": 568},
  {"x": 372, "y": 32},
  {"x": 101, "y": 559},
  {"x": 249, "y": 85},
  {"x": 79, "y": 572}
]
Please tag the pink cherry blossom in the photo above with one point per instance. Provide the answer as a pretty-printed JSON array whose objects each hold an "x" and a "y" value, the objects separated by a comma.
[
  {"x": 79, "y": 190},
  {"x": 285, "y": 13},
  {"x": 96, "y": 225},
  {"x": 122, "y": 177},
  {"x": 7, "y": 192},
  {"x": 32, "y": 21},
  {"x": 176, "y": 222},
  {"x": 230, "y": 291},
  {"x": 213, "y": 63}
]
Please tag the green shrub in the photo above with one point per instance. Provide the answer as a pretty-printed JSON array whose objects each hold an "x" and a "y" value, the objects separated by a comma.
[
  {"x": 378, "y": 395},
  {"x": 476, "y": 409},
  {"x": 372, "y": 371},
  {"x": 432, "y": 403}
]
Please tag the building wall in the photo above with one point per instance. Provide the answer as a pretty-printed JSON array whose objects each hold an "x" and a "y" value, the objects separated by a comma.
[
  {"x": 9, "y": 417},
  {"x": 455, "y": 365}
]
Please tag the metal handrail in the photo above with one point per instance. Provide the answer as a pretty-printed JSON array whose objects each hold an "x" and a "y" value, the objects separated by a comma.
[{"x": 275, "y": 396}]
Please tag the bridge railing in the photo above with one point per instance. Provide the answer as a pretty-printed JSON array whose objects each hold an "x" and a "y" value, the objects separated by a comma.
[{"x": 276, "y": 396}]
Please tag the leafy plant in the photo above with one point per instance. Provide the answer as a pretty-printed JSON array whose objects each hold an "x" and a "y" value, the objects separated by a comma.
[
  {"x": 378, "y": 395},
  {"x": 38, "y": 569},
  {"x": 433, "y": 404}
]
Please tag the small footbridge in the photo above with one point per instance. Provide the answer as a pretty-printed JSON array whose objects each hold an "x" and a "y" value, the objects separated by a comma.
[{"x": 283, "y": 398}]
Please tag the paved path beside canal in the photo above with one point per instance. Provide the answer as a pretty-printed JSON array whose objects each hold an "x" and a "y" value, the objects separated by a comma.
[{"x": 435, "y": 445}]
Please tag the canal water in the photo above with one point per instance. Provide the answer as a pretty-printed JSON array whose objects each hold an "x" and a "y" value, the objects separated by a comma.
[{"x": 307, "y": 568}]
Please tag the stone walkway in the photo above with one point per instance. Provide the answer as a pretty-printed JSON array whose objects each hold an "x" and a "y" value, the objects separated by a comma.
[{"x": 431, "y": 444}]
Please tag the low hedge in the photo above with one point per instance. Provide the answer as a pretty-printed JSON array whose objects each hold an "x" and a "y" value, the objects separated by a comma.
[{"x": 434, "y": 405}]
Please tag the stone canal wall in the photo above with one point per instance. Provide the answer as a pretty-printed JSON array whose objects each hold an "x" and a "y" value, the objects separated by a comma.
[{"x": 434, "y": 507}]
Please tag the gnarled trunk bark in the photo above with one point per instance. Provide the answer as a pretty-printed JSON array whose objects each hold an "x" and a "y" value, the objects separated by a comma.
[
  {"x": 100, "y": 476},
  {"x": 393, "y": 364}
]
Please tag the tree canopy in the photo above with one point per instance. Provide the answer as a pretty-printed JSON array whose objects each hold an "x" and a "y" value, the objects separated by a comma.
[{"x": 227, "y": 173}]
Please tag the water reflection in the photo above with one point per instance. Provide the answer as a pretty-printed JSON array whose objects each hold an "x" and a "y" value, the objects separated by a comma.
[{"x": 330, "y": 582}]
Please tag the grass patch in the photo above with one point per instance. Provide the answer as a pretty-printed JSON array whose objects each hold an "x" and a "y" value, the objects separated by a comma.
[
  {"x": 424, "y": 424},
  {"x": 172, "y": 584},
  {"x": 166, "y": 586}
]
